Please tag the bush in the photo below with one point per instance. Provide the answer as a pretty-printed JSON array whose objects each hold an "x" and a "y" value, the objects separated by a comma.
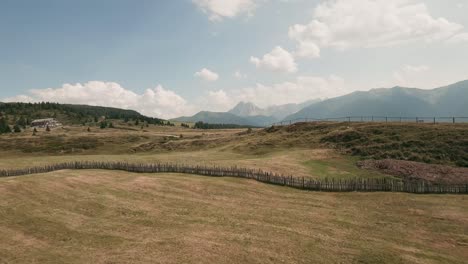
[
  {"x": 103, "y": 124},
  {"x": 17, "y": 129},
  {"x": 4, "y": 127}
]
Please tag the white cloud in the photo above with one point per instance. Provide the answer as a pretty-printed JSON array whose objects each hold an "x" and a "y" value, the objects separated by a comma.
[
  {"x": 207, "y": 75},
  {"x": 219, "y": 9},
  {"x": 278, "y": 59},
  {"x": 459, "y": 38},
  {"x": 411, "y": 76},
  {"x": 156, "y": 102},
  {"x": 344, "y": 24},
  {"x": 240, "y": 75},
  {"x": 217, "y": 101},
  {"x": 301, "y": 89},
  {"x": 307, "y": 49},
  {"x": 160, "y": 102}
]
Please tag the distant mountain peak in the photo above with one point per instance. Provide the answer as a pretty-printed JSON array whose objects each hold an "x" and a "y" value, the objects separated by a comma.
[
  {"x": 246, "y": 109},
  {"x": 396, "y": 101}
]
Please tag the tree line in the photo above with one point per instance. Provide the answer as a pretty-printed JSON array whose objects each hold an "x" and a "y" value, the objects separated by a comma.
[
  {"x": 22, "y": 114},
  {"x": 202, "y": 125}
]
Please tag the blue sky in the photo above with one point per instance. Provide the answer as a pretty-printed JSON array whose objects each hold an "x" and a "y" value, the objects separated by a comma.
[{"x": 145, "y": 54}]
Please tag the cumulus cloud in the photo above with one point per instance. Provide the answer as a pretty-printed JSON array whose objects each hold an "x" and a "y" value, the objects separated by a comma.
[
  {"x": 459, "y": 38},
  {"x": 299, "y": 90},
  {"x": 307, "y": 49},
  {"x": 219, "y": 9},
  {"x": 156, "y": 102},
  {"x": 411, "y": 75},
  {"x": 239, "y": 75},
  {"x": 345, "y": 24},
  {"x": 207, "y": 75},
  {"x": 164, "y": 103},
  {"x": 278, "y": 59}
]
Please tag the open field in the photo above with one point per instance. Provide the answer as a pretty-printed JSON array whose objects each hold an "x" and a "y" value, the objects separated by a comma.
[
  {"x": 176, "y": 145},
  {"x": 118, "y": 217},
  {"x": 305, "y": 150}
]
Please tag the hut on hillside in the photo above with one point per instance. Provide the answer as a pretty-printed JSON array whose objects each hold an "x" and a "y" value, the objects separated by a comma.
[{"x": 42, "y": 123}]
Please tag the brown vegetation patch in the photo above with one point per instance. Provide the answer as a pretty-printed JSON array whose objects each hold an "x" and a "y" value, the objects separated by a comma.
[{"x": 418, "y": 171}]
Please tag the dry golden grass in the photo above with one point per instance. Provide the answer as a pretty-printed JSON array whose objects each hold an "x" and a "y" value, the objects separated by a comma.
[
  {"x": 118, "y": 217},
  {"x": 163, "y": 144}
]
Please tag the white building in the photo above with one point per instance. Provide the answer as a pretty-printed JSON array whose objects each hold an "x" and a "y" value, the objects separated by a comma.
[{"x": 42, "y": 123}]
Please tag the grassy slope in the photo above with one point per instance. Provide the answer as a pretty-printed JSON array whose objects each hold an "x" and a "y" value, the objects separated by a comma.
[
  {"x": 117, "y": 217},
  {"x": 162, "y": 144},
  {"x": 439, "y": 144},
  {"x": 299, "y": 150}
]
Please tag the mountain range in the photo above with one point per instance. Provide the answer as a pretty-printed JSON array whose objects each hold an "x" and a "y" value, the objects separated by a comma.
[
  {"x": 451, "y": 100},
  {"x": 248, "y": 114}
]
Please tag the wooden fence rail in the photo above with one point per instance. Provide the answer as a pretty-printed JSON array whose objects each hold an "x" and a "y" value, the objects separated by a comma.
[
  {"x": 385, "y": 119},
  {"x": 327, "y": 185}
]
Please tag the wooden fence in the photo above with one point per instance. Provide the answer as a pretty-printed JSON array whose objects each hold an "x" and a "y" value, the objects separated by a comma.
[
  {"x": 385, "y": 119},
  {"x": 326, "y": 185}
]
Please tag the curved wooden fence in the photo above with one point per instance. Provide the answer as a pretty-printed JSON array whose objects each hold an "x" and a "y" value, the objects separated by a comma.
[{"x": 327, "y": 185}]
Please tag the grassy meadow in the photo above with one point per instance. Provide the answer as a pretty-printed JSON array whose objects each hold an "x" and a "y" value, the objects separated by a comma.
[{"x": 119, "y": 217}]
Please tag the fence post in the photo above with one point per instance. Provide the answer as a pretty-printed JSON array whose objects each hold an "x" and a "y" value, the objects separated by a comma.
[
  {"x": 454, "y": 120},
  {"x": 434, "y": 121}
]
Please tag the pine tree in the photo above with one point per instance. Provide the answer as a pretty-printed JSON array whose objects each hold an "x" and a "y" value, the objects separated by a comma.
[
  {"x": 103, "y": 124},
  {"x": 17, "y": 129},
  {"x": 4, "y": 127}
]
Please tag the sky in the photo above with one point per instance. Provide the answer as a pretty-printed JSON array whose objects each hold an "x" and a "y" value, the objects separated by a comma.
[{"x": 168, "y": 58}]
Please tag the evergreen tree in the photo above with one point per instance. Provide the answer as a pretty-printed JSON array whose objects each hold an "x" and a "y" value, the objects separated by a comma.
[
  {"x": 47, "y": 128},
  {"x": 89, "y": 129},
  {"x": 17, "y": 129},
  {"x": 111, "y": 125},
  {"x": 4, "y": 127},
  {"x": 21, "y": 122},
  {"x": 103, "y": 124}
]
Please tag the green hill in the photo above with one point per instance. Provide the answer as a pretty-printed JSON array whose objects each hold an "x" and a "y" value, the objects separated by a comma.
[{"x": 24, "y": 113}]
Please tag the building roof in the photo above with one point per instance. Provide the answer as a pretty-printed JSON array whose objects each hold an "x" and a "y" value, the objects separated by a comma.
[{"x": 44, "y": 120}]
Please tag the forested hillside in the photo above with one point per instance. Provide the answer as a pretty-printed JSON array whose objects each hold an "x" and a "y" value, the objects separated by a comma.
[{"x": 21, "y": 114}]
